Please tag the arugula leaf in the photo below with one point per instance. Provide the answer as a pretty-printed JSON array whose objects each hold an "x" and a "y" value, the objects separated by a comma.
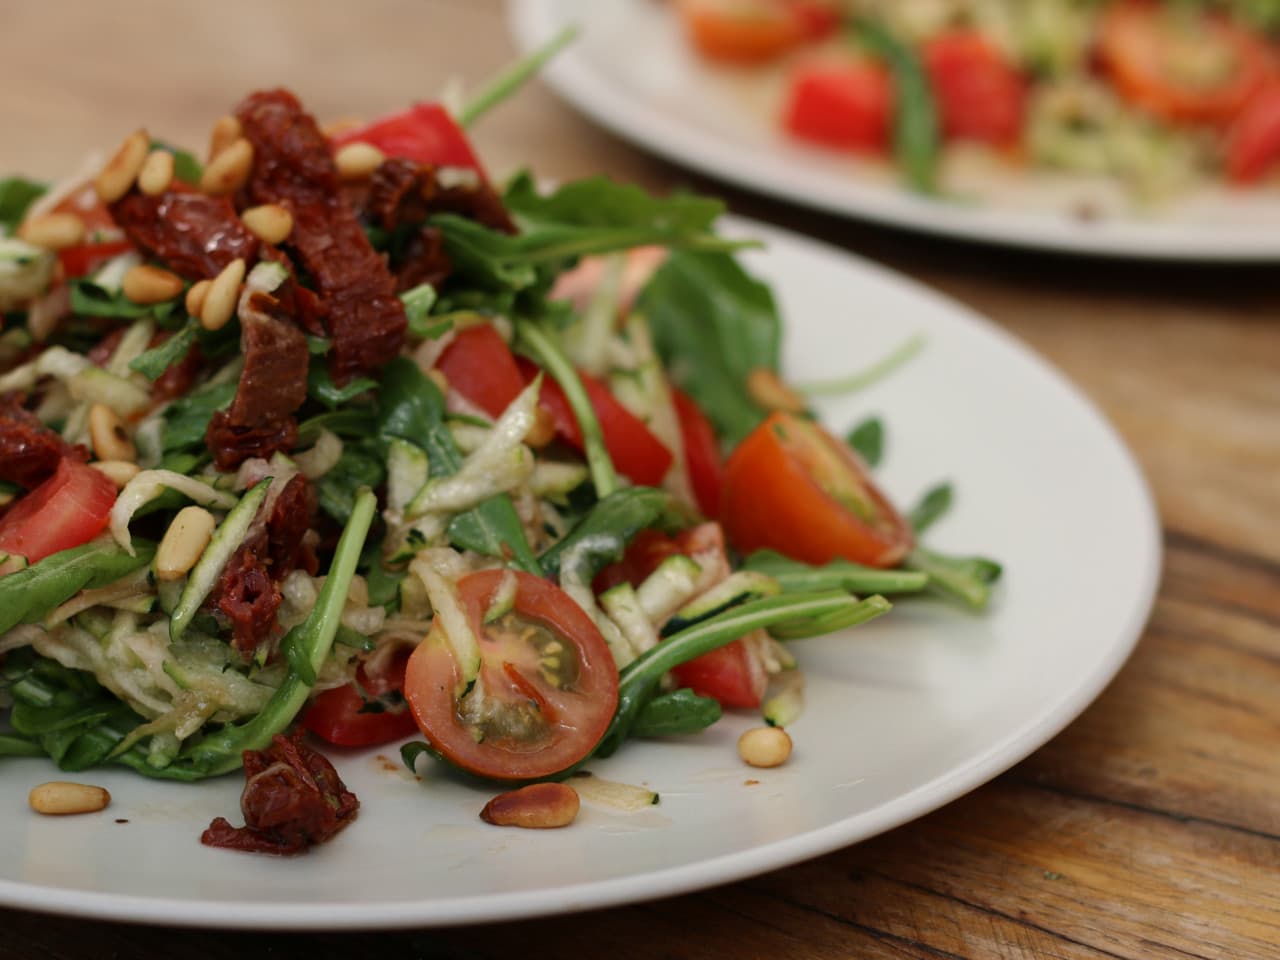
[
  {"x": 713, "y": 324},
  {"x": 361, "y": 465},
  {"x": 867, "y": 441},
  {"x": 608, "y": 527},
  {"x": 28, "y": 595},
  {"x": 931, "y": 508},
  {"x": 185, "y": 166},
  {"x": 187, "y": 418},
  {"x": 16, "y": 195},
  {"x": 320, "y": 387},
  {"x": 601, "y": 202},
  {"x": 154, "y": 362}
]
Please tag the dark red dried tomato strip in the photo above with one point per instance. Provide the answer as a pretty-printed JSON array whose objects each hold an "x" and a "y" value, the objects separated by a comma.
[
  {"x": 293, "y": 167},
  {"x": 293, "y": 798},
  {"x": 195, "y": 234},
  {"x": 30, "y": 451}
]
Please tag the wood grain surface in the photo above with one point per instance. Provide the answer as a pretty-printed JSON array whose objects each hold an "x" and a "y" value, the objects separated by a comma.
[{"x": 1149, "y": 829}]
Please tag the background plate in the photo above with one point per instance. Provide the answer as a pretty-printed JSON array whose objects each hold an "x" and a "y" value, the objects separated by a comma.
[
  {"x": 632, "y": 71},
  {"x": 903, "y": 714}
]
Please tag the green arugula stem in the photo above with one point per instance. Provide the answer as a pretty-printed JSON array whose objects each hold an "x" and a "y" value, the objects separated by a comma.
[
  {"x": 890, "y": 363},
  {"x": 514, "y": 77}
]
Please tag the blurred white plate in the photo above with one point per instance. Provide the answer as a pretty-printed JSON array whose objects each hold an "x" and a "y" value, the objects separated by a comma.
[
  {"x": 632, "y": 71},
  {"x": 903, "y": 714}
]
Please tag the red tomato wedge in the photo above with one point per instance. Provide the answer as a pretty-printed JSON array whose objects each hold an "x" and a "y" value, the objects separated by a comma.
[
  {"x": 792, "y": 487},
  {"x": 548, "y": 680},
  {"x": 701, "y": 453},
  {"x": 636, "y": 452},
  {"x": 743, "y": 31},
  {"x": 365, "y": 713},
  {"x": 845, "y": 104},
  {"x": 84, "y": 259},
  {"x": 70, "y": 508},
  {"x": 980, "y": 95},
  {"x": 480, "y": 366},
  {"x": 425, "y": 133},
  {"x": 1253, "y": 142},
  {"x": 731, "y": 674},
  {"x": 1182, "y": 70}
]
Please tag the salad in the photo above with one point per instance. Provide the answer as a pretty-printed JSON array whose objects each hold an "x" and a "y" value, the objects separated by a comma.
[
  {"x": 1157, "y": 96},
  {"x": 329, "y": 440}
]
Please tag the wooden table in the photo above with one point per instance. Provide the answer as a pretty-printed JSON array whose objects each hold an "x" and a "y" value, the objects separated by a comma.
[{"x": 1149, "y": 829}]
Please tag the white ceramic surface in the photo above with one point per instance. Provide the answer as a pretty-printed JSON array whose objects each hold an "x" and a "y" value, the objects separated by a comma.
[
  {"x": 632, "y": 71},
  {"x": 903, "y": 714}
]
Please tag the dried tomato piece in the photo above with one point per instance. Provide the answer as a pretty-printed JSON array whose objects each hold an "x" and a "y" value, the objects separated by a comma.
[
  {"x": 194, "y": 234},
  {"x": 30, "y": 451},
  {"x": 247, "y": 595}
]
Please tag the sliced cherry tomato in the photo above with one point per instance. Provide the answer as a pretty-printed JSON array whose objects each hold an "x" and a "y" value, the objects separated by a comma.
[
  {"x": 792, "y": 487},
  {"x": 480, "y": 366},
  {"x": 844, "y": 103},
  {"x": 70, "y": 508},
  {"x": 732, "y": 674},
  {"x": 1253, "y": 142},
  {"x": 104, "y": 239},
  {"x": 636, "y": 452},
  {"x": 701, "y": 453},
  {"x": 743, "y": 31},
  {"x": 980, "y": 95},
  {"x": 1182, "y": 66},
  {"x": 425, "y": 133},
  {"x": 547, "y": 678},
  {"x": 365, "y": 713},
  {"x": 819, "y": 18}
]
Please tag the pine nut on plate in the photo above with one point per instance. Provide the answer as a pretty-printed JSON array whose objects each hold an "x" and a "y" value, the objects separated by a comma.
[
  {"x": 226, "y": 131},
  {"x": 109, "y": 435},
  {"x": 60, "y": 798},
  {"x": 53, "y": 231},
  {"x": 765, "y": 747},
  {"x": 145, "y": 284},
  {"x": 157, "y": 173},
  {"x": 195, "y": 297},
  {"x": 122, "y": 169},
  {"x": 229, "y": 170},
  {"x": 271, "y": 223},
  {"x": 120, "y": 472},
  {"x": 357, "y": 161},
  {"x": 539, "y": 806},
  {"x": 184, "y": 542},
  {"x": 220, "y": 301}
]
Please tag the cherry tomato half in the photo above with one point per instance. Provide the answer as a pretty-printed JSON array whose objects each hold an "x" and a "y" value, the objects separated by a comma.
[
  {"x": 1253, "y": 142},
  {"x": 365, "y": 713},
  {"x": 743, "y": 31},
  {"x": 70, "y": 508},
  {"x": 479, "y": 365},
  {"x": 845, "y": 104},
  {"x": 425, "y": 133},
  {"x": 547, "y": 688},
  {"x": 701, "y": 453},
  {"x": 105, "y": 239},
  {"x": 980, "y": 95},
  {"x": 1200, "y": 70},
  {"x": 792, "y": 487},
  {"x": 732, "y": 674}
]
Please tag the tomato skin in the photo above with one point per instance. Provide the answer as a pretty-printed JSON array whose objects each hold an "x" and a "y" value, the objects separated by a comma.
[
  {"x": 771, "y": 499},
  {"x": 67, "y": 510},
  {"x": 582, "y": 713},
  {"x": 818, "y": 18},
  {"x": 636, "y": 452},
  {"x": 979, "y": 94},
  {"x": 1253, "y": 142},
  {"x": 425, "y": 133},
  {"x": 84, "y": 259},
  {"x": 340, "y": 716},
  {"x": 731, "y": 674},
  {"x": 701, "y": 453},
  {"x": 743, "y": 31},
  {"x": 1136, "y": 43},
  {"x": 480, "y": 366},
  {"x": 843, "y": 104}
]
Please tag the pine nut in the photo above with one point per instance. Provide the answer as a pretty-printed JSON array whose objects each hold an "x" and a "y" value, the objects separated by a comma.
[
  {"x": 59, "y": 798},
  {"x": 145, "y": 284},
  {"x": 184, "y": 542},
  {"x": 120, "y": 472},
  {"x": 157, "y": 173},
  {"x": 543, "y": 430},
  {"x": 768, "y": 390},
  {"x": 121, "y": 170},
  {"x": 226, "y": 131},
  {"x": 220, "y": 301},
  {"x": 271, "y": 223},
  {"x": 229, "y": 170},
  {"x": 765, "y": 746},
  {"x": 357, "y": 161},
  {"x": 539, "y": 806},
  {"x": 108, "y": 434},
  {"x": 195, "y": 297},
  {"x": 53, "y": 231}
]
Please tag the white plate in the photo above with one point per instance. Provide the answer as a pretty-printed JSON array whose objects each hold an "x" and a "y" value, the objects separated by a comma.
[
  {"x": 632, "y": 71},
  {"x": 903, "y": 714}
]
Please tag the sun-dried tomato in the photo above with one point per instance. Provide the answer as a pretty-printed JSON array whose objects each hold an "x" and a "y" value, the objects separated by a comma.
[
  {"x": 30, "y": 451},
  {"x": 196, "y": 235}
]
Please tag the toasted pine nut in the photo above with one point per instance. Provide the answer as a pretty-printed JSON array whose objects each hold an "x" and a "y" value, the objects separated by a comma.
[
  {"x": 220, "y": 302},
  {"x": 342, "y": 125},
  {"x": 226, "y": 131},
  {"x": 539, "y": 806},
  {"x": 109, "y": 435},
  {"x": 271, "y": 223},
  {"x": 53, "y": 231},
  {"x": 765, "y": 746},
  {"x": 157, "y": 173},
  {"x": 229, "y": 170},
  {"x": 121, "y": 170},
  {"x": 60, "y": 798},
  {"x": 184, "y": 542},
  {"x": 356, "y": 161},
  {"x": 146, "y": 284},
  {"x": 195, "y": 297},
  {"x": 768, "y": 390},
  {"x": 119, "y": 472},
  {"x": 543, "y": 430}
]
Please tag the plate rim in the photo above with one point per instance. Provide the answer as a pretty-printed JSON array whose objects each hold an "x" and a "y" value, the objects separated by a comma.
[
  {"x": 995, "y": 759},
  {"x": 532, "y": 22}
]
